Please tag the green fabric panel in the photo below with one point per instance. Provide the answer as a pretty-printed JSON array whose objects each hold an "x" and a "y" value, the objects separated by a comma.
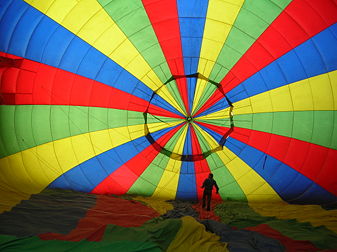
[
  {"x": 2, "y": 146},
  {"x": 159, "y": 67},
  {"x": 209, "y": 90},
  {"x": 218, "y": 122},
  {"x": 149, "y": 237},
  {"x": 202, "y": 141},
  {"x": 78, "y": 120},
  {"x": 173, "y": 88},
  {"x": 11, "y": 243},
  {"x": 97, "y": 118},
  {"x": 25, "y": 134},
  {"x": 170, "y": 145},
  {"x": 132, "y": 19},
  {"x": 40, "y": 125},
  {"x": 230, "y": 190},
  {"x": 59, "y": 123},
  {"x": 157, "y": 119},
  {"x": 8, "y": 130},
  {"x": 324, "y": 128},
  {"x": 266, "y": 123},
  {"x": 321, "y": 237},
  {"x": 239, "y": 214},
  {"x": 316, "y": 127},
  {"x": 161, "y": 233},
  {"x": 147, "y": 182},
  {"x": 280, "y": 123},
  {"x": 253, "y": 19},
  {"x": 121, "y": 118},
  {"x": 26, "y": 126},
  {"x": 243, "y": 121}
]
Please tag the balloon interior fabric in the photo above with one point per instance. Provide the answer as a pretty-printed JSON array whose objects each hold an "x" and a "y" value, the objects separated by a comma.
[{"x": 147, "y": 97}]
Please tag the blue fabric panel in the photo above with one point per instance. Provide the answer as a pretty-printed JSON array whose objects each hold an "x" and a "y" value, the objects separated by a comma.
[
  {"x": 158, "y": 101},
  {"x": 188, "y": 142},
  {"x": 76, "y": 179},
  {"x": 32, "y": 35},
  {"x": 3, "y": 7},
  {"x": 75, "y": 49},
  {"x": 24, "y": 30},
  {"x": 191, "y": 84},
  {"x": 316, "y": 56},
  {"x": 187, "y": 184},
  {"x": 192, "y": 63},
  {"x": 9, "y": 20},
  {"x": 87, "y": 175},
  {"x": 192, "y": 16},
  {"x": 191, "y": 50},
  {"x": 291, "y": 185},
  {"x": 91, "y": 64},
  {"x": 187, "y": 187}
]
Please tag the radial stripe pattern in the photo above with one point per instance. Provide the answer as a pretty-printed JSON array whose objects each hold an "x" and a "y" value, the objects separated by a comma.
[{"x": 150, "y": 96}]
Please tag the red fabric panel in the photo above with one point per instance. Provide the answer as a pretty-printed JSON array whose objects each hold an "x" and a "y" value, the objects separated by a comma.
[
  {"x": 299, "y": 21},
  {"x": 108, "y": 210},
  {"x": 201, "y": 166},
  {"x": 120, "y": 181},
  {"x": 316, "y": 162},
  {"x": 208, "y": 215},
  {"x": 40, "y": 84},
  {"x": 163, "y": 16},
  {"x": 218, "y": 129}
]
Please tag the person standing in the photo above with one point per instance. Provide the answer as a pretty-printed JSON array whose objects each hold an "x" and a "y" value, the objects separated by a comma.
[{"x": 208, "y": 188}]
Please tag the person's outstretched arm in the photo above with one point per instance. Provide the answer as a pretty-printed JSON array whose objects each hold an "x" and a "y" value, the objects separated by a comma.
[
  {"x": 216, "y": 186},
  {"x": 203, "y": 184}
]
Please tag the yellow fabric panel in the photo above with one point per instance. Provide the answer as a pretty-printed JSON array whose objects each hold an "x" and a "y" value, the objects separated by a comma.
[
  {"x": 168, "y": 183},
  {"x": 160, "y": 205},
  {"x": 102, "y": 140},
  {"x": 251, "y": 183},
  {"x": 314, "y": 214},
  {"x": 37, "y": 167},
  {"x": 84, "y": 147},
  {"x": 192, "y": 236},
  {"x": 245, "y": 107},
  {"x": 10, "y": 199},
  {"x": 221, "y": 114},
  {"x": 89, "y": 21},
  {"x": 322, "y": 91},
  {"x": 163, "y": 92},
  {"x": 50, "y": 6},
  {"x": 199, "y": 91},
  {"x": 66, "y": 154},
  {"x": 45, "y": 151},
  {"x": 221, "y": 15},
  {"x": 27, "y": 174},
  {"x": 167, "y": 186},
  {"x": 333, "y": 81},
  {"x": 315, "y": 93},
  {"x": 158, "y": 126}
]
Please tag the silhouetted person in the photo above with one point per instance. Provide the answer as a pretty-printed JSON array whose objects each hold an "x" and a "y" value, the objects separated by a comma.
[{"x": 208, "y": 188}]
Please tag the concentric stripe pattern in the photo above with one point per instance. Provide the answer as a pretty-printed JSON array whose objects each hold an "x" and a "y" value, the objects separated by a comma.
[{"x": 150, "y": 96}]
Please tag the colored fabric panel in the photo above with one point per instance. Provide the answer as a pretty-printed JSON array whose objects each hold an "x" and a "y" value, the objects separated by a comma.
[
  {"x": 262, "y": 52},
  {"x": 148, "y": 97},
  {"x": 192, "y": 235}
]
